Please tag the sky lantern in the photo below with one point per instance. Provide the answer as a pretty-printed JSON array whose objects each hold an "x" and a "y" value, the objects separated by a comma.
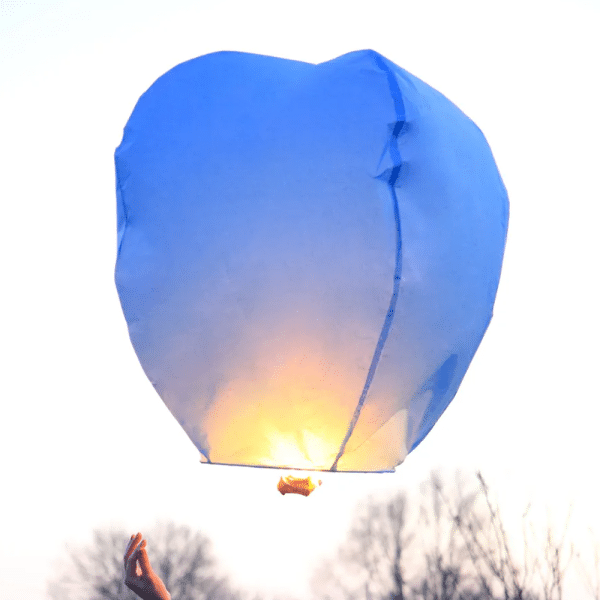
[{"x": 308, "y": 256}]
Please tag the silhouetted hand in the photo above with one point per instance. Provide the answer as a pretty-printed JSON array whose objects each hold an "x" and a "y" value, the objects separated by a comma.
[{"x": 139, "y": 575}]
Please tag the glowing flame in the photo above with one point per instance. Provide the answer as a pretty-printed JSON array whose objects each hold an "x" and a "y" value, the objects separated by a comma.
[
  {"x": 293, "y": 417},
  {"x": 297, "y": 485}
]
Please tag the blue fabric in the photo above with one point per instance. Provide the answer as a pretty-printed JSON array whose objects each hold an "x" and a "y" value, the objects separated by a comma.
[{"x": 308, "y": 255}]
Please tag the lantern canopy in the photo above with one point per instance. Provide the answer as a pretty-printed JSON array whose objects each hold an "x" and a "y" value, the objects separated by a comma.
[{"x": 308, "y": 255}]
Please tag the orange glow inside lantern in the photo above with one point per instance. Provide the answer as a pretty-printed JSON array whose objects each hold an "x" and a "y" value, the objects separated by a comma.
[{"x": 296, "y": 418}]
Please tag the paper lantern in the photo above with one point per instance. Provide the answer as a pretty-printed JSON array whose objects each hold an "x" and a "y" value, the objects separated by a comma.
[{"x": 308, "y": 255}]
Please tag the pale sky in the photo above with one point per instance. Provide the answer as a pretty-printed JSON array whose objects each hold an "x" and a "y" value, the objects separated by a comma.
[{"x": 85, "y": 440}]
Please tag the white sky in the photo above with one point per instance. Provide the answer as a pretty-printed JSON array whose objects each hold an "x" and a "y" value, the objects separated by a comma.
[{"x": 84, "y": 439}]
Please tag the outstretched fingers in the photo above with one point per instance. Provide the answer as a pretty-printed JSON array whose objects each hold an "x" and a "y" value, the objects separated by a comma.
[
  {"x": 129, "y": 558},
  {"x": 142, "y": 557}
]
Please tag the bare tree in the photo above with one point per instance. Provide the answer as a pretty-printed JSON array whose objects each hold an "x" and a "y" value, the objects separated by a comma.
[
  {"x": 445, "y": 574},
  {"x": 181, "y": 557},
  {"x": 370, "y": 565},
  {"x": 494, "y": 560},
  {"x": 485, "y": 540},
  {"x": 381, "y": 561},
  {"x": 556, "y": 563},
  {"x": 591, "y": 573},
  {"x": 458, "y": 549}
]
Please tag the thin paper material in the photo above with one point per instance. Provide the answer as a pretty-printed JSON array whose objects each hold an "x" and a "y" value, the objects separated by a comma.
[{"x": 308, "y": 255}]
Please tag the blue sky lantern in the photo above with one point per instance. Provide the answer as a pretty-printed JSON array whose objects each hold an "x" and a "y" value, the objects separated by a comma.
[{"x": 308, "y": 255}]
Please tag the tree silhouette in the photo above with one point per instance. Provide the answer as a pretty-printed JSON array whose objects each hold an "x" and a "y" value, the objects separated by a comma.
[
  {"x": 483, "y": 535},
  {"x": 182, "y": 558},
  {"x": 385, "y": 558},
  {"x": 446, "y": 572},
  {"x": 590, "y": 569},
  {"x": 456, "y": 548}
]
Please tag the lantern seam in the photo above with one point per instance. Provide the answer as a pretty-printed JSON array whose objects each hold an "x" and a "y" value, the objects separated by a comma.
[
  {"x": 391, "y": 175},
  {"x": 121, "y": 202}
]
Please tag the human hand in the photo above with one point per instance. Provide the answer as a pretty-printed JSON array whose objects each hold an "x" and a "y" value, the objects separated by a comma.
[{"x": 139, "y": 575}]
